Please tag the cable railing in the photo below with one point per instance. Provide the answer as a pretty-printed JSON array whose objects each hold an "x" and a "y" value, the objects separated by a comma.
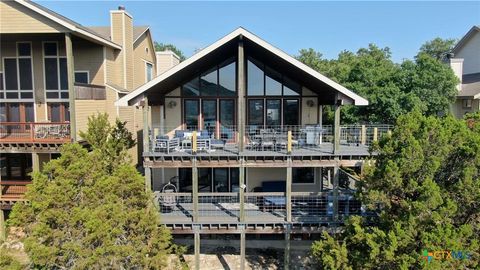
[
  {"x": 258, "y": 207},
  {"x": 261, "y": 138},
  {"x": 31, "y": 132}
]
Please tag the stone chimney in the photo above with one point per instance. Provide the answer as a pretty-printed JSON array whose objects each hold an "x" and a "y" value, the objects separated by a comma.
[
  {"x": 457, "y": 66},
  {"x": 122, "y": 34},
  {"x": 166, "y": 60}
]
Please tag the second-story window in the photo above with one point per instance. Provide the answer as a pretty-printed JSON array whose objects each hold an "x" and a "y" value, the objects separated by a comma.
[
  {"x": 148, "y": 71},
  {"x": 81, "y": 77},
  {"x": 18, "y": 74},
  {"x": 56, "y": 78}
]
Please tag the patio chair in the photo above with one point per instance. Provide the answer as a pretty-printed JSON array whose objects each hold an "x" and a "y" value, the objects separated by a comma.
[
  {"x": 164, "y": 143},
  {"x": 167, "y": 198}
]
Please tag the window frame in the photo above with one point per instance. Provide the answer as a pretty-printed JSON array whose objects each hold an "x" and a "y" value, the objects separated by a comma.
[
  {"x": 147, "y": 63},
  {"x": 59, "y": 91},
  {"x": 82, "y": 71},
  {"x": 467, "y": 103},
  {"x": 63, "y": 109},
  {"x": 19, "y": 91},
  {"x": 306, "y": 184}
]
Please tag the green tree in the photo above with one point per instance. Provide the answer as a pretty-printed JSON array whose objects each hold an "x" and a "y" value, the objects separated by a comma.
[
  {"x": 169, "y": 47},
  {"x": 86, "y": 213},
  {"x": 392, "y": 89},
  {"x": 425, "y": 187},
  {"x": 438, "y": 48}
]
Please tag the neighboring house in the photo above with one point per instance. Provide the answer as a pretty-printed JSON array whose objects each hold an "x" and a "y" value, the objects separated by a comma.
[
  {"x": 238, "y": 146},
  {"x": 54, "y": 74},
  {"x": 466, "y": 65}
]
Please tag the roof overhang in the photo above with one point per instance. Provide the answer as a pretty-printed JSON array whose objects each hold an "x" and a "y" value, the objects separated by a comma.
[
  {"x": 79, "y": 31},
  {"x": 328, "y": 90}
]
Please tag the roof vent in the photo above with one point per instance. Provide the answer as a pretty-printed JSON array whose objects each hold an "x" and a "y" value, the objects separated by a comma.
[{"x": 121, "y": 7}]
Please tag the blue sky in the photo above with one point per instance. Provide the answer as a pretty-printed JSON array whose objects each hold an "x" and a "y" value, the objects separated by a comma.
[{"x": 328, "y": 27}]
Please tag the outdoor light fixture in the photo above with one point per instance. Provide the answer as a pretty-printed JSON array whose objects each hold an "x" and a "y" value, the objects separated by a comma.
[{"x": 172, "y": 104}]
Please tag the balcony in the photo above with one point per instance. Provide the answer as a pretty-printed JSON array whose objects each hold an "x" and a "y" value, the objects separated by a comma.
[
  {"x": 24, "y": 132},
  {"x": 272, "y": 141},
  {"x": 90, "y": 92}
]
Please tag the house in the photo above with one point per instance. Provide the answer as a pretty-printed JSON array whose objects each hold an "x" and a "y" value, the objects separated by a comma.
[
  {"x": 466, "y": 66},
  {"x": 237, "y": 144},
  {"x": 54, "y": 73}
]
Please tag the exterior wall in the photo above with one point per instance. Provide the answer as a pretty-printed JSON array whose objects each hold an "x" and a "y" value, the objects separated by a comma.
[
  {"x": 173, "y": 115},
  {"x": 470, "y": 53},
  {"x": 86, "y": 108},
  {"x": 309, "y": 114},
  {"x": 255, "y": 177},
  {"x": 459, "y": 111},
  {"x": 143, "y": 52},
  {"x": 18, "y": 19},
  {"x": 89, "y": 56},
  {"x": 166, "y": 60}
]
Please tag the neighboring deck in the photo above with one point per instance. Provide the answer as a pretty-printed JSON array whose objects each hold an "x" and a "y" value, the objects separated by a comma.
[{"x": 12, "y": 192}]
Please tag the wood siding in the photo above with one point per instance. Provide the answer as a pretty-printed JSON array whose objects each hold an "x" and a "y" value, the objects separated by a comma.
[{"x": 143, "y": 51}]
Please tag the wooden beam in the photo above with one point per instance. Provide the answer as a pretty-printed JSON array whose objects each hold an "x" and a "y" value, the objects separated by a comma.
[
  {"x": 146, "y": 127},
  {"x": 286, "y": 264},
  {"x": 288, "y": 199},
  {"x": 242, "y": 191},
  {"x": 336, "y": 177},
  {"x": 241, "y": 96},
  {"x": 197, "y": 249},
  {"x": 3, "y": 228},
  {"x": 71, "y": 85},
  {"x": 336, "y": 130},
  {"x": 148, "y": 179},
  {"x": 195, "y": 190},
  {"x": 242, "y": 250},
  {"x": 253, "y": 164}
]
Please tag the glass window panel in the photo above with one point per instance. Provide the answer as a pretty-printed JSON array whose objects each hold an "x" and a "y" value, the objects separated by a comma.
[
  {"x": 191, "y": 114},
  {"x": 255, "y": 112},
  {"x": 234, "y": 179},
  {"x": 220, "y": 179},
  {"x": 81, "y": 77},
  {"x": 66, "y": 111},
  {"x": 290, "y": 112},
  {"x": 63, "y": 74},
  {"x": 149, "y": 68},
  {"x": 51, "y": 74},
  {"x": 291, "y": 88},
  {"x": 55, "y": 114},
  {"x": 228, "y": 79},
  {"x": 185, "y": 179},
  {"x": 273, "y": 112},
  {"x": 29, "y": 112},
  {"x": 1, "y": 81},
  {"x": 227, "y": 112},
  {"x": 13, "y": 114},
  {"x": 24, "y": 49},
  {"x": 255, "y": 78},
  {"x": 204, "y": 180},
  {"x": 3, "y": 112},
  {"x": 208, "y": 83},
  {"x": 52, "y": 94},
  {"x": 191, "y": 88},
  {"x": 64, "y": 95},
  {"x": 50, "y": 49},
  {"x": 209, "y": 113},
  {"x": 12, "y": 95},
  {"x": 25, "y": 72},
  {"x": 26, "y": 95},
  {"x": 11, "y": 81},
  {"x": 273, "y": 85},
  {"x": 303, "y": 175}
]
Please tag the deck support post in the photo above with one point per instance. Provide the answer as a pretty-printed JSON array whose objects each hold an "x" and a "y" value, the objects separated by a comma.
[
  {"x": 146, "y": 126},
  {"x": 336, "y": 177},
  {"x": 336, "y": 129},
  {"x": 241, "y": 96},
  {"x": 148, "y": 178},
  {"x": 35, "y": 162},
  {"x": 195, "y": 189},
  {"x": 242, "y": 248},
  {"x": 288, "y": 199},
  {"x": 196, "y": 247},
  {"x": 286, "y": 260},
  {"x": 71, "y": 85},
  {"x": 320, "y": 121},
  {"x": 363, "y": 138},
  {"x": 3, "y": 229},
  {"x": 162, "y": 119},
  {"x": 241, "y": 190}
]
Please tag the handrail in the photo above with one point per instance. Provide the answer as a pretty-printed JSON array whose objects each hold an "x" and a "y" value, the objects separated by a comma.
[
  {"x": 42, "y": 132},
  {"x": 14, "y": 183}
]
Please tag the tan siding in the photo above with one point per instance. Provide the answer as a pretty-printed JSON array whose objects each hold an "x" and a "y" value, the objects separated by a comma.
[
  {"x": 165, "y": 61},
  {"x": 17, "y": 19},
  {"x": 128, "y": 50},
  {"x": 41, "y": 112},
  {"x": 173, "y": 116},
  {"x": 117, "y": 36},
  {"x": 309, "y": 114},
  {"x": 86, "y": 108},
  {"x": 141, "y": 54},
  {"x": 89, "y": 56}
]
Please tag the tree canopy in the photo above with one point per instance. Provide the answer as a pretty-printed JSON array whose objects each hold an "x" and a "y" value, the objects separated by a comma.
[
  {"x": 438, "y": 48},
  {"x": 425, "y": 83},
  {"x": 425, "y": 187},
  {"x": 169, "y": 47},
  {"x": 89, "y": 209}
]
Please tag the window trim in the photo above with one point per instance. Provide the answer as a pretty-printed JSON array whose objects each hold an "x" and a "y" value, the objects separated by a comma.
[
  {"x": 83, "y": 71},
  {"x": 19, "y": 91},
  {"x": 63, "y": 110},
  {"x": 306, "y": 184},
  {"x": 146, "y": 73},
  {"x": 467, "y": 104},
  {"x": 57, "y": 57}
]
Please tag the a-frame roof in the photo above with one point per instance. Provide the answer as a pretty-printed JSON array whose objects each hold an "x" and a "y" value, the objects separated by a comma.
[
  {"x": 475, "y": 29},
  {"x": 303, "y": 70}
]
